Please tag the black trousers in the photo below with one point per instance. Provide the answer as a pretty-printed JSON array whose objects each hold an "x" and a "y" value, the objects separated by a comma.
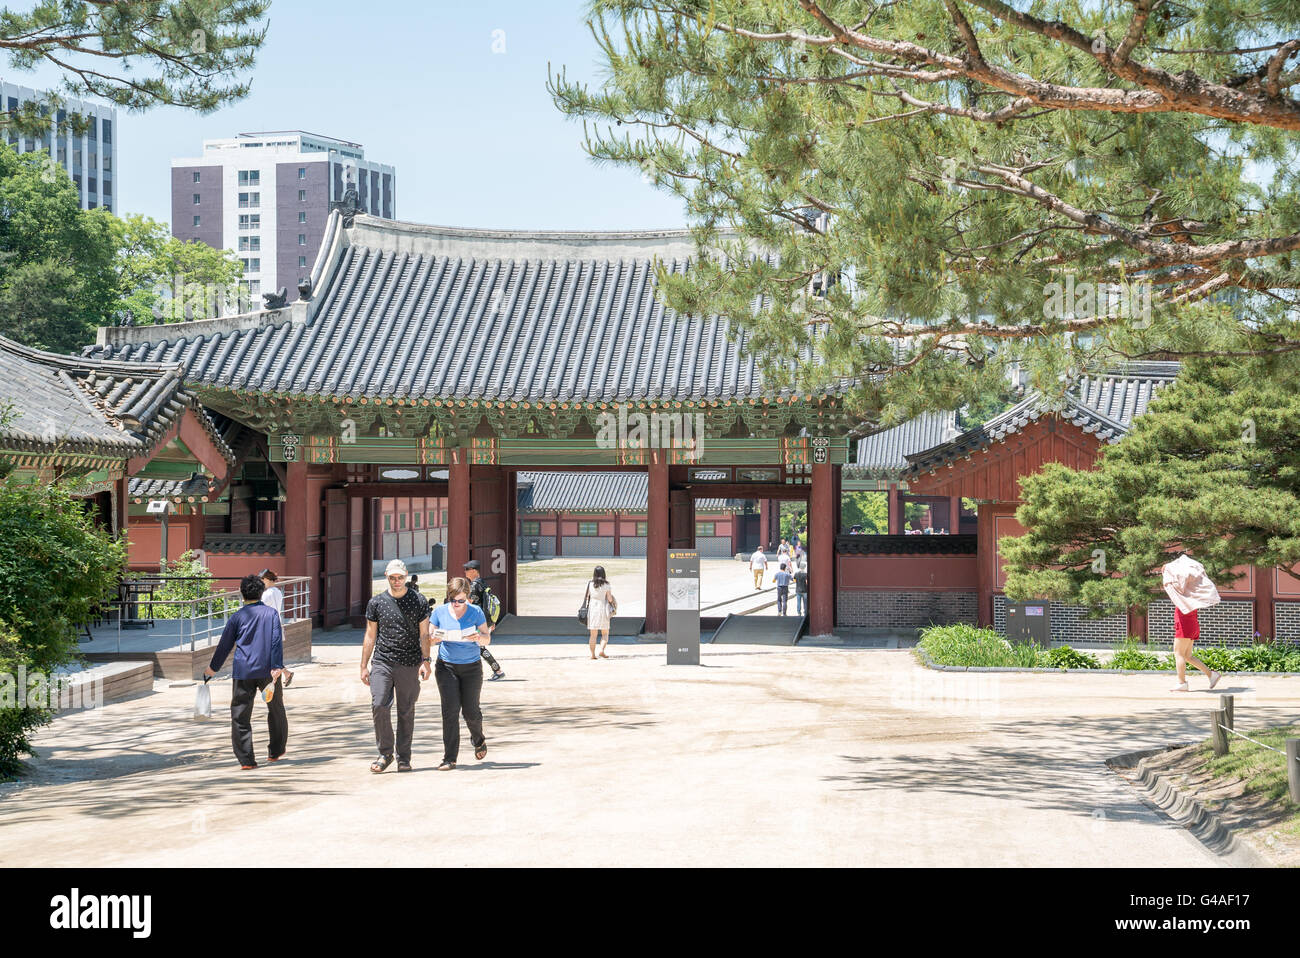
[
  {"x": 782, "y": 600},
  {"x": 459, "y": 687},
  {"x": 242, "y": 696}
]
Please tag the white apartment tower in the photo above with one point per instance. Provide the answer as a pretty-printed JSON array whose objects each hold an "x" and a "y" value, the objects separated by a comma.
[{"x": 89, "y": 157}]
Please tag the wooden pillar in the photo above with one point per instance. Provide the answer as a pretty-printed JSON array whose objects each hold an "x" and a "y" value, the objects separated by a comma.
[
  {"x": 296, "y": 509},
  {"x": 954, "y": 515},
  {"x": 1137, "y": 623},
  {"x": 656, "y": 548},
  {"x": 121, "y": 500},
  {"x": 198, "y": 526},
  {"x": 895, "y": 511},
  {"x": 617, "y": 536},
  {"x": 559, "y": 536},
  {"x": 458, "y": 506},
  {"x": 1264, "y": 602},
  {"x": 986, "y": 555},
  {"x": 821, "y": 551},
  {"x": 512, "y": 542}
]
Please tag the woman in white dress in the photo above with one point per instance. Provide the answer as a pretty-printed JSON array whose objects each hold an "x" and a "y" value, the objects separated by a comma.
[{"x": 601, "y": 607}]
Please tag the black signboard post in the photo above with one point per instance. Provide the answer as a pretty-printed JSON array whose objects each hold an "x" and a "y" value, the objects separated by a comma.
[{"x": 683, "y": 607}]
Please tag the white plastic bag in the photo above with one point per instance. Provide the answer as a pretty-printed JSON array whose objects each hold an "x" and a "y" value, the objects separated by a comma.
[{"x": 203, "y": 701}]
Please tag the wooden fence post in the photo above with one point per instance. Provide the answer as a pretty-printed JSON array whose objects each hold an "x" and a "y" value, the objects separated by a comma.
[
  {"x": 1219, "y": 737},
  {"x": 1293, "y": 767},
  {"x": 1225, "y": 703}
]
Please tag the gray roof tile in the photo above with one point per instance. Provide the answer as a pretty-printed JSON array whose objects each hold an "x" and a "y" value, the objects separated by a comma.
[
  {"x": 90, "y": 406},
  {"x": 595, "y": 492},
  {"x": 427, "y": 312},
  {"x": 1101, "y": 403}
]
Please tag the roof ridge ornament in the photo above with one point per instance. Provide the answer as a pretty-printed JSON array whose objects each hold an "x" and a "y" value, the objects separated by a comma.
[{"x": 349, "y": 206}]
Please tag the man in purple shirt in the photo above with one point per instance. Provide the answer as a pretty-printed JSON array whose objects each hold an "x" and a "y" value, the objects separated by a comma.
[{"x": 255, "y": 635}]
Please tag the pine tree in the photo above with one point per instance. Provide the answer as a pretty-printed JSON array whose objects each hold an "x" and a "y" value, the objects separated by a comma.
[
  {"x": 1212, "y": 468},
  {"x": 939, "y": 189}
]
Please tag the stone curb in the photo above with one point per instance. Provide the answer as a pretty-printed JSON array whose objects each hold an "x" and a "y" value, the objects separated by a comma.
[
  {"x": 1206, "y": 827},
  {"x": 931, "y": 664}
]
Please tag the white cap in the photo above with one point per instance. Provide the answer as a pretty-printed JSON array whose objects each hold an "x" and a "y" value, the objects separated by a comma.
[{"x": 396, "y": 566}]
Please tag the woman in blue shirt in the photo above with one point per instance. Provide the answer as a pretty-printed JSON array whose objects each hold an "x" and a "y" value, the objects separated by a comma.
[{"x": 460, "y": 630}]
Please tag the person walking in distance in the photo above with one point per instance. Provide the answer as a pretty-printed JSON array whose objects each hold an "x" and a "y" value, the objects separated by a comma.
[
  {"x": 801, "y": 588},
  {"x": 481, "y": 596},
  {"x": 394, "y": 661},
  {"x": 274, "y": 597},
  {"x": 460, "y": 629},
  {"x": 257, "y": 639},
  {"x": 782, "y": 580},
  {"x": 758, "y": 565},
  {"x": 601, "y": 607}
]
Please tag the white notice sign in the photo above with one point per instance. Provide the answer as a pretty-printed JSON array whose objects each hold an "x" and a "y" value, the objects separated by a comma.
[{"x": 684, "y": 594}]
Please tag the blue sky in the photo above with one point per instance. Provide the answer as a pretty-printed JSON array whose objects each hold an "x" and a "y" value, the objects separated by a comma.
[{"x": 474, "y": 136}]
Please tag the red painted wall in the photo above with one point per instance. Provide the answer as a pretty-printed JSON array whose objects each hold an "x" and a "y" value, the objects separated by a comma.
[{"x": 237, "y": 566}]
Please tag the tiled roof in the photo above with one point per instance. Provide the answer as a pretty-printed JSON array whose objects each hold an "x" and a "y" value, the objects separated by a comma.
[
  {"x": 89, "y": 406},
  {"x": 1102, "y": 403},
  {"x": 595, "y": 492},
  {"x": 196, "y": 486},
  {"x": 884, "y": 454},
  {"x": 416, "y": 312}
]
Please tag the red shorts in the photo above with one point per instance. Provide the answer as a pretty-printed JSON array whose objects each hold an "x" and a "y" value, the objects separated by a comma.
[{"x": 1186, "y": 625}]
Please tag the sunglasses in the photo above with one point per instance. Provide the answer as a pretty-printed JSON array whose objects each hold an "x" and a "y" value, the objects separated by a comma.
[{"x": 459, "y": 601}]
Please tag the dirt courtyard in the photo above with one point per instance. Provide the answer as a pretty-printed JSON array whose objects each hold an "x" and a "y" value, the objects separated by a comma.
[{"x": 759, "y": 756}]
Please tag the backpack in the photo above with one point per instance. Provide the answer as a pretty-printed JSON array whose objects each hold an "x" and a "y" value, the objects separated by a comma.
[{"x": 491, "y": 605}]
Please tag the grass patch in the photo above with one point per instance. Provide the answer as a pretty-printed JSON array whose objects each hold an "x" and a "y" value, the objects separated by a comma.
[{"x": 1261, "y": 771}]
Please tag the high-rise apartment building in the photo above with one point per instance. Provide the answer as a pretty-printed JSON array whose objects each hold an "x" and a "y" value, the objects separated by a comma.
[
  {"x": 267, "y": 196},
  {"x": 89, "y": 155}
]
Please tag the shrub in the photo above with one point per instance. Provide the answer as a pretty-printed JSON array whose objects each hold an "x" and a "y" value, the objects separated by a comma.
[
  {"x": 979, "y": 648},
  {"x": 198, "y": 583},
  {"x": 1064, "y": 657},
  {"x": 1131, "y": 656},
  {"x": 56, "y": 566}
]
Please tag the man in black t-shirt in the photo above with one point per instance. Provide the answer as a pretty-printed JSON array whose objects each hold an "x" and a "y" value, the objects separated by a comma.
[
  {"x": 478, "y": 595},
  {"x": 394, "y": 660}
]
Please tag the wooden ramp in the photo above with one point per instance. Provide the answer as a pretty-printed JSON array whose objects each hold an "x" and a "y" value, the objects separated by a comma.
[{"x": 759, "y": 630}]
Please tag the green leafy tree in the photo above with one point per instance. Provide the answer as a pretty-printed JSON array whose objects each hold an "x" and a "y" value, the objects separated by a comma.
[
  {"x": 867, "y": 509},
  {"x": 56, "y": 565},
  {"x": 1212, "y": 468},
  {"x": 945, "y": 188},
  {"x": 164, "y": 279},
  {"x": 56, "y": 260},
  {"x": 135, "y": 53}
]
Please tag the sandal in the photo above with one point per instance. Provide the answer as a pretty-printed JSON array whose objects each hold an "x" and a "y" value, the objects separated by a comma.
[
  {"x": 446, "y": 766},
  {"x": 381, "y": 763},
  {"x": 403, "y": 766},
  {"x": 480, "y": 751}
]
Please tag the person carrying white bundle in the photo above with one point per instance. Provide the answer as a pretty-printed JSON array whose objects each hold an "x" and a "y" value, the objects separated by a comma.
[{"x": 1190, "y": 590}]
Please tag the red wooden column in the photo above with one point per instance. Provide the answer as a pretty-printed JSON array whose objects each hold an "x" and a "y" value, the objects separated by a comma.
[
  {"x": 954, "y": 515},
  {"x": 656, "y": 548},
  {"x": 1264, "y": 602},
  {"x": 617, "y": 536},
  {"x": 895, "y": 511},
  {"x": 986, "y": 555},
  {"x": 121, "y": 495},
  {"x": 1137, "y": 622},
  {"x": 458, "y": 506},
  {"x": 821, "y": 554},
  {"x": 296, "y": 509}
]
